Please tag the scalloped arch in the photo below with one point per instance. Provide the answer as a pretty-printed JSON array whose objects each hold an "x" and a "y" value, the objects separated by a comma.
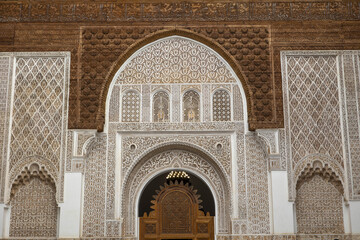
[{"x": 100, "y": 117}]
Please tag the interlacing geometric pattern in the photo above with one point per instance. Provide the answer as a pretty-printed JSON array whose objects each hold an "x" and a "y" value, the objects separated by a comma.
[
  {"x": 131, "y": 106},
  {"x": 95, "y": 189},
  {"x": 221, "y": 106},
  {"x": 314, "y": 111},
  {"x": 319, "y": 207},
  {"x": 175, "y": 60},
  {"x": 34, "y": 210},
  {"x": 257, "y": 188},
  {"x": 161, "y": 107},
  {"x": 191, "y": 106},
  {"x": 37, "y": 122}
]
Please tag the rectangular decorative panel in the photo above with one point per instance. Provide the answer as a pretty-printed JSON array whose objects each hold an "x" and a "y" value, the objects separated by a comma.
[
  {"x": 39, "y": 111},
  {"x": 321, "y": 105},
  {"x": 313, "y": 107}
]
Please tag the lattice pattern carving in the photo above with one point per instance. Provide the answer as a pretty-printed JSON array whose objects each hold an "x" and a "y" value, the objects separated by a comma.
[
  {"x": 221, "y": 106},
  {"x": 177, "y": 213},
  {"x": 34, "y": 209},
  {"x": 38, "y": 108},
  {"x": 191, "y": 106},
  {"x": 39, "y": 114},
  {"x": 161, "y": 107},
  {"x": 319, "y": 207},
  {"x": 130, "y": 107},
  {"x": 314, "y": 113}
]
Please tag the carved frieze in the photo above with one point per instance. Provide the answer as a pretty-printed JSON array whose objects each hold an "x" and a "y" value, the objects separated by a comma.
[{"x": 23, "y": 11}]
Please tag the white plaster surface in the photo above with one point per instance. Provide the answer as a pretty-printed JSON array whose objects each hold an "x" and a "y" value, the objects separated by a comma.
[
  {"x": 355, "y": 216},
  {"x": 282, "y": 208},
  {"x": 70, "y": 210},
  {"x": 4, "y": 221}
]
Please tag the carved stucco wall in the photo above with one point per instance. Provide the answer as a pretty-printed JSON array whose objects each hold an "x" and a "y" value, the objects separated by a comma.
[
  {"x": 320, "y": 96},
  {"x": 257, "y": 187},
  {"x": 38, "y": 109},
  {"x": 5, "y": 88},
  {"x": 138, "y": 150},
  {"x": 34, "y": 209},
  {"x": 184, "y": 159},
  {"x": 319, "y": 207},
  {"x": 95, "y": 188}
]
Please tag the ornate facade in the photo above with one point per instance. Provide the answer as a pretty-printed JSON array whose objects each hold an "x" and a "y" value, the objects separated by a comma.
[{"x": 97, "y": 99}]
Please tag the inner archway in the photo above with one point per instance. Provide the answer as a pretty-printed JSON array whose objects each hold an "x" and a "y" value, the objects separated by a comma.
[
  {"x": 177, "y": 211},
  {"x": 208, "y": 202}
]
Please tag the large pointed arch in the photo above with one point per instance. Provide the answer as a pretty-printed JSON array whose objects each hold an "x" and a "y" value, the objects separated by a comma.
[
  {"x": 157, "y": 36},
  {"x": 207, "y": 168}
]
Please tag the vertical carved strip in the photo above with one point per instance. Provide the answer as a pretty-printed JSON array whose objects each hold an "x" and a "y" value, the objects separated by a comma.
[
  {"x": 110, "y": 189},
  {"x": 5, "y": 89},
  {"x": 95, "y": 189},
  {"x": 257, "y": 188},
  {"x": 146, "y": 103},
  {"x": 69, "y": 150},
  {"x": 114, "y": 106},
  {"x": 176, "y": 103},
  {"x": 237, "y": 104},
  {"x": 352, "y": 111},
  {"x": 240, "y": 146},
  {"x": 206, "y": 95}
]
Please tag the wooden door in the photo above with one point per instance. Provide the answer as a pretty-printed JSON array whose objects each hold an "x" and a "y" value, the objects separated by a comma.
[{"x": 176, "y": 215}]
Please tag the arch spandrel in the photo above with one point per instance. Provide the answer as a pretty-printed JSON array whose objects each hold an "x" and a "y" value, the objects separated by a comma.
[{"x": 216, "y": 48}]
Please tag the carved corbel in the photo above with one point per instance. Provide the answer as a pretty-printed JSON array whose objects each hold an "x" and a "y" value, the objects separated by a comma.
[
  {"x": 81, "y": 141},
  {"x": 270, "y": 141}
]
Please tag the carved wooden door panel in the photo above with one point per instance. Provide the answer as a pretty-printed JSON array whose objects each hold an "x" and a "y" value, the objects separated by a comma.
[{"x": 176, "y": 215}]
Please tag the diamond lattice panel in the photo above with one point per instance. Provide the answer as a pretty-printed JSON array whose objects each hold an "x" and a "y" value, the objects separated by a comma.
[
  {"x": 175, "y": 60},
  {"x": 314, "y": 115},
  {"x": 221, "y": 106},
  {"x": 38, "y": 109}
]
